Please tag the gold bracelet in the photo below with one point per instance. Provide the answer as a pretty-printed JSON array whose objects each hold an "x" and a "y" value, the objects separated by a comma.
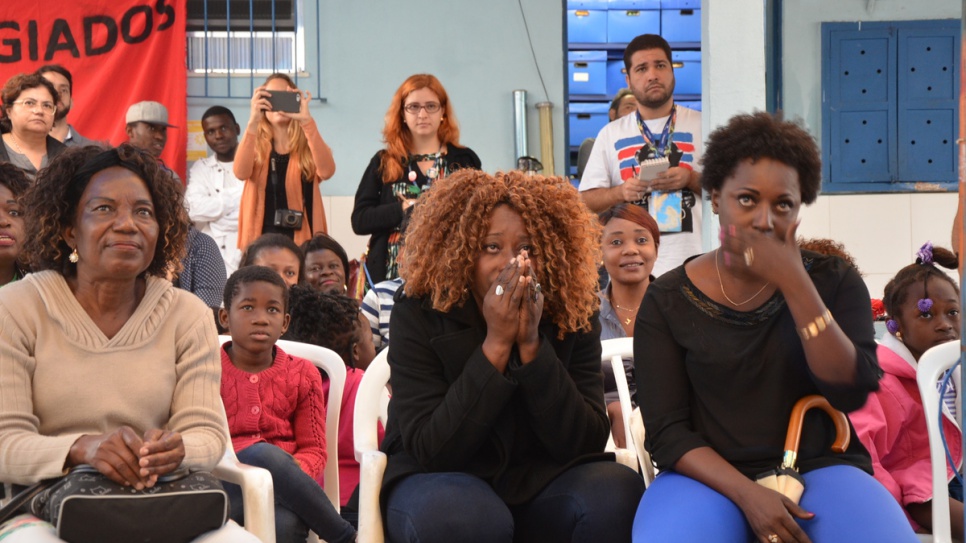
[{"x": 817, "y": 326}]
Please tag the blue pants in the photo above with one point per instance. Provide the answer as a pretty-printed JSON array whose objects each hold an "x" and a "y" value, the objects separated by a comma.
[
  {"x": 849, "y": 505},
  {"x": 300, "y": 503},
  {"x": 587, "y": 503}
]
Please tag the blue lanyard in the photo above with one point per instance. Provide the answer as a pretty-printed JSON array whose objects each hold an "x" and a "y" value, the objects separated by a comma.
[{"x": 661, "y": 148}]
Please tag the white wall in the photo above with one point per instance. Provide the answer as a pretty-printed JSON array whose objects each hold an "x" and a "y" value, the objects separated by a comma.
[
  {"x": 478, "y": 50},
  {"x": 882, "y": 231}
]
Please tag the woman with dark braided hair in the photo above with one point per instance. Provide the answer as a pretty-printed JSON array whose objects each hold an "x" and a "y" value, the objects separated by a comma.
[
  {"x": 497, "y": 426},
  {"x": 923, "y": 306}
]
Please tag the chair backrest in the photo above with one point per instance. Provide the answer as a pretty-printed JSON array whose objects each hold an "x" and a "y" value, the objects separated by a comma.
[
  {"x": 933, "y": 364},
  {"x": 334, "y": 367},
  {"x": 372, "y": 400},
  {"x": 613, "y": 352}
]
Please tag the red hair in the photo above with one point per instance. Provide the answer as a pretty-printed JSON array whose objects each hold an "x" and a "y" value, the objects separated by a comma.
[
  {"x": 396, "y": 134},
  {"x": 634, "y": 213}
]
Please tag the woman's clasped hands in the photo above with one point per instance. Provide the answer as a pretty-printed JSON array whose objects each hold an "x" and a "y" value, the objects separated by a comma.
[
  {"x": 512, "y": 309},
  {"x": 129, "y": 459}
]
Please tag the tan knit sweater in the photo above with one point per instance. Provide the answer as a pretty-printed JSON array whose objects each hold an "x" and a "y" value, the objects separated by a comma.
[{"x": 61, "y": 378}]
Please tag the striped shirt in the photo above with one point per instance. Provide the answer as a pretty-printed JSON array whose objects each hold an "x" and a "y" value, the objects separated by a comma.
[{"x": 377, "y": 306}]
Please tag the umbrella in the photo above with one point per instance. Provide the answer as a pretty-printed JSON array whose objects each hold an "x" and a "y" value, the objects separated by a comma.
[{"x": 786, "y": 479}]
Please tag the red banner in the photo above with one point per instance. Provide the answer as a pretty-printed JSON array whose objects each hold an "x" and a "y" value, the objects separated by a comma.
[{"x": 119, "y": 53}]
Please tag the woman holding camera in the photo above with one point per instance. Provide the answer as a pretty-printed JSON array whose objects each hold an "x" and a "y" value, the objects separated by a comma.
[
  {"x": 282, "y": 158},
  {"x": 422, "y": 146}
]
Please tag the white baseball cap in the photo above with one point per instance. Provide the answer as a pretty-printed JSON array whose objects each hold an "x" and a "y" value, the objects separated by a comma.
[{"x": 148, "y": 112}]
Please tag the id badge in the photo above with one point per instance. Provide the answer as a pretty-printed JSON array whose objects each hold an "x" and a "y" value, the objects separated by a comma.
[{"x": 667, "y": 210}]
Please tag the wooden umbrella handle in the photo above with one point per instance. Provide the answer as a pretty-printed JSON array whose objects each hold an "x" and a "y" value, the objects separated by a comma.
[{"x": 794, "y": 435}]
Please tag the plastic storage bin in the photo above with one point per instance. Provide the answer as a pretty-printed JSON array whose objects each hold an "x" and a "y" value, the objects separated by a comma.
[
  {"x": 681, "y": 25},
  {"x": 634, "y": 4},
  {"x": 587, "y": 72},
  {"x": 687, "y": 76},
  {"x": 587, "y": 25},
  {"x": 586, "y": 120},
  {"x": 615, "y": 77},
  {"x": 623, "y": 25},
  {"x": 587, "y": 4},
  {"x": 679, "y": 4}
]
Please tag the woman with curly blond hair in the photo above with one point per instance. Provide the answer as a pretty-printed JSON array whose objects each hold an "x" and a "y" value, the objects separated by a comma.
[
  {"x": 422, "y": 146},
  {"x": 497, "y": 423}
]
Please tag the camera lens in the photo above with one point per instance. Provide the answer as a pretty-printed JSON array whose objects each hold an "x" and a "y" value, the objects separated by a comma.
[{"x": 290, "y": 219}]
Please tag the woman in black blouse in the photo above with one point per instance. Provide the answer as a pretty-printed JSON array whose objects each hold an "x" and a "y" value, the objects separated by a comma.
[
  {"x": 422, "y": 146},
  {"x": 727, "y": 343}
]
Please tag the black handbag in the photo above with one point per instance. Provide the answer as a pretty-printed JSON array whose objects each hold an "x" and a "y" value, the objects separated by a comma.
[{"x": 86, "y": 507}]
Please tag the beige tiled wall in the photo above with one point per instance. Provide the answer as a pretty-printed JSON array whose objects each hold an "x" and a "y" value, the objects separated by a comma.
[
  {"x": 881, "y": 231},
  {"x": 338, "y": 213}
]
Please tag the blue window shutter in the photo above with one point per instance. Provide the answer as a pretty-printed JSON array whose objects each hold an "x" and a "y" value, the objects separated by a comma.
[
  {"x": 928, "y": 72},
  {"x": 859, "y": 104}
]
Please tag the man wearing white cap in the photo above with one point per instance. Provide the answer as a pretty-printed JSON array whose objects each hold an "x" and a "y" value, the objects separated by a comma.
[{"x": 147, "y": 128}]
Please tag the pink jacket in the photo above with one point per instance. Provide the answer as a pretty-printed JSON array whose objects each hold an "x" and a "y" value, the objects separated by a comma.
[
  {"x": 348, "y": 466},
  {"x": 892, "y": 426}
]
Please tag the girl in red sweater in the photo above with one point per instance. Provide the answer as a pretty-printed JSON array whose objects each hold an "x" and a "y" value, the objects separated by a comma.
[{"x": 275, "y": 407}]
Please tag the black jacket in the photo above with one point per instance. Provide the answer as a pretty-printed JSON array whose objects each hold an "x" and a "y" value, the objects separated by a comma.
[
  {"x": 452, "y": 411},
  {"x": 378, "y": 213}
]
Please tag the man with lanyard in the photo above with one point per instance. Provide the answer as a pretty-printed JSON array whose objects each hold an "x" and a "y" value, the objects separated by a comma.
[{"x": 660, "y": 128}]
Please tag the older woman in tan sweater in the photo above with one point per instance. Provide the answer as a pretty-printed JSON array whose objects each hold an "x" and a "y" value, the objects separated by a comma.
[{"x": 102, "y": 361}]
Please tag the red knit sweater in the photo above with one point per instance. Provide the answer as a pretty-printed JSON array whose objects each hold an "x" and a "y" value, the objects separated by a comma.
[{"x": 282, "y": 405}]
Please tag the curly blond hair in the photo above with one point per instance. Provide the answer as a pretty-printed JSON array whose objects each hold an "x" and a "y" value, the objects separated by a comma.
[{"x": 446, "y": 232}]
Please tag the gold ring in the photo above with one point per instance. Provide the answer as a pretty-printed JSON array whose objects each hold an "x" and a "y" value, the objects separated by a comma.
[
  {"x": 773, "y": 538},
  {"x": 749, "y": 258}
]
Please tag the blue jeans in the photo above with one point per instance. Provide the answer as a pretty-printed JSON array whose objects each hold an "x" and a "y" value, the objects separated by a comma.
[
  {"x": 587, "y": 503},
  {"x": 300, "y": 503},
  {"x": 849, "y": 505}
]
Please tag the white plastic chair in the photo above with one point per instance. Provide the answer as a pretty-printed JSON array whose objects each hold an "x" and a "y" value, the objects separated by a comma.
[
  {"x": 933, "y": 364},
  {"x": 258, "y": 493},
  {"x": 334, "y": 367},
  {"x": 372, "y": 402},
  {"x": 613, "y": 352}
]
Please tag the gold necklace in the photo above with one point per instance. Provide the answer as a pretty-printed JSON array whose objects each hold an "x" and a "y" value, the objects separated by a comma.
[
  {"x": 721, "y": 284},
  {"x": 13, "y": 140},
  {"x": 633, "y": 311}
]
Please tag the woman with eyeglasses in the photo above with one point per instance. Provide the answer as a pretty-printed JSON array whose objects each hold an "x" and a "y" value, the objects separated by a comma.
[
  {"x": 26, "y": 117},
  {"x": 422, "y": 146}
]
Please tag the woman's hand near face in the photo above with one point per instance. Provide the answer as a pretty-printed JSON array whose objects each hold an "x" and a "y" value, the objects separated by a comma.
[
  {"x": 303, "y": 116},
  {"x": 766, "y": 256},
  {"x": 162, "y": 452},
  {"x": 531, "y": 308},
  {"x": 259, "y": 104},
  {"x": 502, "y": 313},
  {"x": 114, "y": 454}
]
